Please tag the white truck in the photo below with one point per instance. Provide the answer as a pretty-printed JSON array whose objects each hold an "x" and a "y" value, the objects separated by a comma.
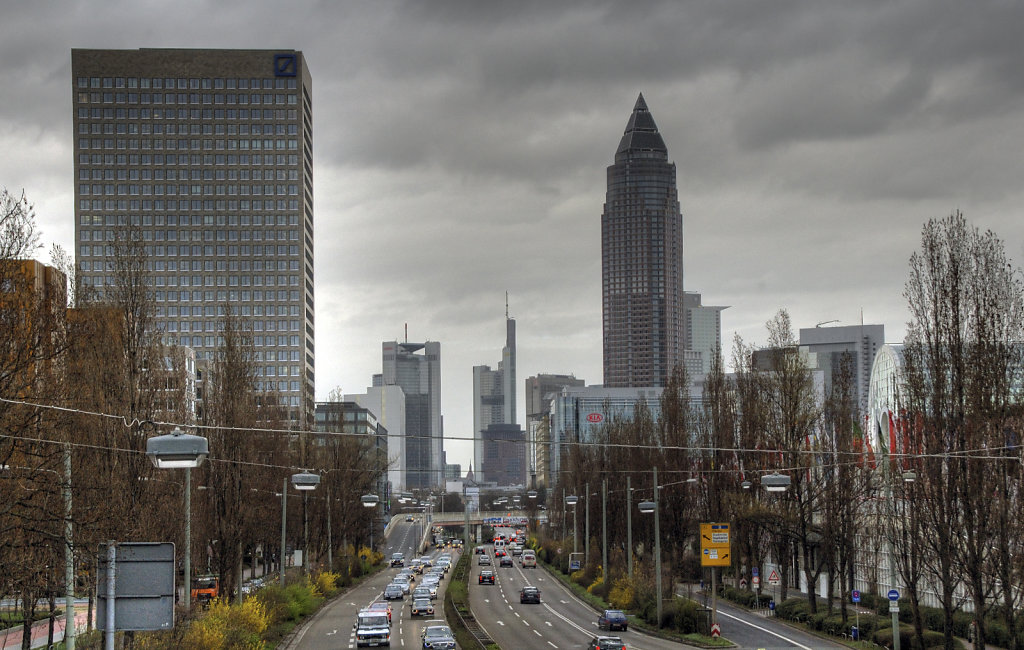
[{"x": 372, "y": 629}]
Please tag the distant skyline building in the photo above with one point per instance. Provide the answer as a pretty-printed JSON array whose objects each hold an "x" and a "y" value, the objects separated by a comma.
[
  {"x": 642, "y": 260},
  {"x": 206, "y": 156},
  {"x": 494, "y": 396},
  {"x": 387, "y": 403},
  {"x": 540, "y": 392},
  {"x": 504, "y": 461},
  {"x": 416, "y": 368},
  {"x": 862, "y": 342},
  {"x": 703, "y": 332},
  {"x": 347, "y": 418}
]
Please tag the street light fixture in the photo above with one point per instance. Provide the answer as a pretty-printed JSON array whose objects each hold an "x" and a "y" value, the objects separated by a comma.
[
  {"x": 370, "y": 501},
  {"x": 648, "y": 507},
  {"x": 572, "y": 500},
  {"x": 181, "y": 450},
  {"x": 775, "y": 482},
  {"x": 177, "y": 450},
  {"x": 304, "y": 482}
]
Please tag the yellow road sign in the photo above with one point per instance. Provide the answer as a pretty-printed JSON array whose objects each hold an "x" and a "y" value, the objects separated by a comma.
[{"x": 715, "y": 545}]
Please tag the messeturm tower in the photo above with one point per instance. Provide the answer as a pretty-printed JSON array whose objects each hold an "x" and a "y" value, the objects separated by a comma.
[{"x": 642, "y": 260}]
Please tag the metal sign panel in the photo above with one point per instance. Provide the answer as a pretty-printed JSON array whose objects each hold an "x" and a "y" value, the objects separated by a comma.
[
  {"x": 143, "y": 588},
  {"x": 715, "y": 545}
]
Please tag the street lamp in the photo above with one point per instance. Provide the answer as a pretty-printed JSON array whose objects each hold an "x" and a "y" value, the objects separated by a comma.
[
  {"x": 304, "y": 482},
  {"x": 180, "y": 450},
  {"x": 648, "y": 507},
  {"x": 775, "y": 482},
  {"x": 572, "y": 500},
  {"x": 370, "y": 501}
]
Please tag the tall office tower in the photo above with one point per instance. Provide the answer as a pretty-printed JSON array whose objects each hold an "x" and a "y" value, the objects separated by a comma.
[
  {"x": 416, "y": 368},
  {"x": 494, "y": 395},
  {"x": 703, "y": 333},
  {"x": 540, "y": 392},
  {"x": 642, "y": 260},
  {"x": 861, "y": 342},
  {"x": 206, "y": 157}
]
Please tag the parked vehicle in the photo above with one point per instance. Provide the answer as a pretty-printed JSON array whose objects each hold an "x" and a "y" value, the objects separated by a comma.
[{"x": 204, "y": 589}]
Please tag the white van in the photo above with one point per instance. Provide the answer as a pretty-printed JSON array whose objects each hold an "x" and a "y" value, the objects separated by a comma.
[{"x": 529, "y": 559}]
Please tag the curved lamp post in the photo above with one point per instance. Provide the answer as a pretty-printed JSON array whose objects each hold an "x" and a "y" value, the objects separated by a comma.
[{"x": 179, "y": 450}]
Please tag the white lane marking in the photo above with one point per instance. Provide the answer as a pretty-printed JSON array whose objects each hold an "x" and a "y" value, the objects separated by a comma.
[
  {"x": 501, "y": 623},
  {"x": 552, "y": 644},
  {"x": 571, "y": 623},
  {"x": 332, "y": 633},
  {"x": 762, "y": 629}
]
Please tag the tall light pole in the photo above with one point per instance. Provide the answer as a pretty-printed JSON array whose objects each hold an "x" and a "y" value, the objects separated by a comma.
[
  {"x": 586, "y": 524},
  {"x": 648, "y": 507},
  {"x": 69, "y": 556},
  {"x": 284, "y": 529},
  {"x": 178, "y": 450},
  {"x": 304, "y": 482},
  {"x": 370, "y": 501},
  {"x": 572, "y": 500},
  {"x": 629, "y": 528},
  {"x": 604, "y": 529}
]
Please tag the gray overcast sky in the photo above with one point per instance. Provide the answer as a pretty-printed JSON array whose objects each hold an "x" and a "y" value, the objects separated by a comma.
[{"x": 460, "y": 150}]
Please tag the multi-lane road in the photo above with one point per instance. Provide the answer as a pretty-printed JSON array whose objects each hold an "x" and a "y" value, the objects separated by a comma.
[
  {"x": 334, "y": 626},
  {"x": 560, "y": 621}
]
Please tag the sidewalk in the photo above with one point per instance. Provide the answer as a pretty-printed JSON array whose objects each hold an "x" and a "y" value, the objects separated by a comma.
[{"x": 10, "y": 639}]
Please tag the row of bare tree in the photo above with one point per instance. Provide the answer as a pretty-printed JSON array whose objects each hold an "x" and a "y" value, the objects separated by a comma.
[
  {"x": 90, "y": 381},
  {"x": 851, "y": 516}
]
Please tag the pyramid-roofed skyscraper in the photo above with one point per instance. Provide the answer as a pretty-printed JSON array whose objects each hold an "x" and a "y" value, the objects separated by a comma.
[{"x": 642, "y": 259}]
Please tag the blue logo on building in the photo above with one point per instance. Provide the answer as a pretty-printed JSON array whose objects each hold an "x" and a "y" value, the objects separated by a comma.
[{"x": 285, "y": 65}]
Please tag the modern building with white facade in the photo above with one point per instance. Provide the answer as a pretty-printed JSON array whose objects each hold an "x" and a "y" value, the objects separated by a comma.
[
  {"x": 387, "y": 403},
  {"x": 862, "y": 342},
  {"x": 703, "y": 331}
]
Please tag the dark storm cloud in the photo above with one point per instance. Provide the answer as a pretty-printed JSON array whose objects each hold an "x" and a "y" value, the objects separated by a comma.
[{"x": 460, "y": 150}]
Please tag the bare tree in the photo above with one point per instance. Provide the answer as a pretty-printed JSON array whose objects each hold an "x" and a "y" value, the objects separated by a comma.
[{"x": 962, "y": 360}]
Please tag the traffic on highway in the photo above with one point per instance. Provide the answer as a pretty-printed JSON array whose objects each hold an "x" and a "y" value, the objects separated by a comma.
[{"x": 516, "y": 603}]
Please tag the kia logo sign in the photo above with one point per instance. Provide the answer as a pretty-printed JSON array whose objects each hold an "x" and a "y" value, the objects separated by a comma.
[{"x": 595, "y": 417}]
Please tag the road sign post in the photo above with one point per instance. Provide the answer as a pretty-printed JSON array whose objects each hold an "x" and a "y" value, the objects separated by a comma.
[
  {"x": 894, "y": 609},
  {"x": 856, "y": 599},
  {"x": 716, "y": 551}
]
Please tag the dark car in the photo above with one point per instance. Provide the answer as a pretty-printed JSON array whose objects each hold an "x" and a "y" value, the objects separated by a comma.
[
  {"x": 612, "y": 619},
  {"x": 506, "y": 560},
  {"x": 606, "y": 643},
  {"x": 393, "y": 592},
  {"x": 486, "y": 578},
  {"x": 437, "y": 637},
  {"x": 529, "y": 595},
  {"x": 480, "y": 550}
]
